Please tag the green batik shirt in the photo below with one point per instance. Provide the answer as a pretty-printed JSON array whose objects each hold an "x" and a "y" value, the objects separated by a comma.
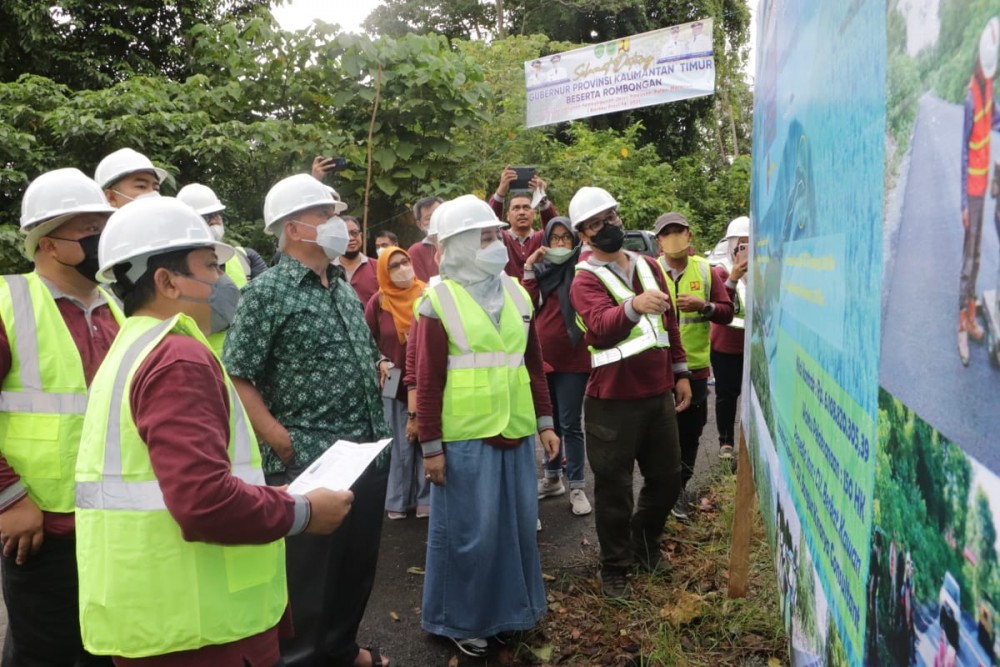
[{"x": 308, "y": 351}]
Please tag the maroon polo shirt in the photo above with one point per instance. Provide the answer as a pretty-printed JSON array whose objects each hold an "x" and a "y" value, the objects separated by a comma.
[
  {"x": 93, "y": 331},
  {"x": 559, "y": 353},
  {"x": 363, "y": 279},
  {"x": 726, "y": 339},
  {"x": 422, "y": 257},
  {"x": 383, "y": 329},
  {"x": 643, "y": 375},
  {"x": 722, "y": 310}
]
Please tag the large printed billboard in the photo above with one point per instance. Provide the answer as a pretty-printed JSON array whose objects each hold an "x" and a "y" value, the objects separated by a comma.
[{"x": 874, "y": 368}]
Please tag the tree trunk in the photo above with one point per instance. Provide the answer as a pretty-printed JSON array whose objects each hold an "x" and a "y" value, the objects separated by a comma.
[{"x": 501, "y": 30}]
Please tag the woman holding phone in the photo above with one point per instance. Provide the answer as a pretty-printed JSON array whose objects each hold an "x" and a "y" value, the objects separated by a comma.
[{"x": 727, "y": 340}]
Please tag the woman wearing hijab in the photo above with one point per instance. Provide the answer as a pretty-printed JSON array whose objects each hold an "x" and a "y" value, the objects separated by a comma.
[
  {"x": 389, "y": 314},
  {"x": 548, "y": 274},
  {"x": 481, "y": 396}
]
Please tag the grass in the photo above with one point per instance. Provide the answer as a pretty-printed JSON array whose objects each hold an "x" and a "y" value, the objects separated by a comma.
[{"x": 684, "y": 620}]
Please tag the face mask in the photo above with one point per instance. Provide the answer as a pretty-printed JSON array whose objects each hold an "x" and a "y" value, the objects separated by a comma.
[
  {"x": 609, "y": 239},
  {"x": 144, "y": 195},
  {"x": 223, "y": 300},
  {"x": 675, "y": 245},
  {"x": 89, "y": 265},
  {"x": 402, "y": 277},
  {"x": 332, "y": 237},
  {"x": 218, "y": 231},
  {"x": 559, "y": 255},
  {"x": 492, "y": 259},
  {"x": 379, "y": 251}
]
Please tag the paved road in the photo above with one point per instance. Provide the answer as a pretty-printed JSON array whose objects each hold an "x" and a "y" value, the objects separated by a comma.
[
  {"x": 568, "y": 544},
  {"x": 920, "y": 363},
  {"x": 928, "y": 631}
]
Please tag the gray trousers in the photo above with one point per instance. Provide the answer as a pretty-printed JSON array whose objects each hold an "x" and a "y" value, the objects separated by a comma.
[
  {"x": 407, "y": 485},
  {"x": 970, "y": 252}
]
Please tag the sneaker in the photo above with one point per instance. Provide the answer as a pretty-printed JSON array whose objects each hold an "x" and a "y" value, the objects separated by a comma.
[
  {"x": 396, "y": 516},
  {"x": 549, "y": 487},
  {"x": 653, "y": 563},
  {"x": 538, "y": 529},
  {"x": 475, "y": 647},
  {"x": 423, "y": 511},
  {"x": 726, "y": 452},
  {"x": 578, "y": 501},
  {"x": 682, "y": 508},
  {"x": 614, "y": 583}
]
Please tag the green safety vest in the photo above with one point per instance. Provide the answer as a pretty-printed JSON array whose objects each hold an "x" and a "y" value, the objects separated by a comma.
[
  {"x": 240, "y": 275},
  {"x": 44, "y": 395},
  {"x": 647, "y": 333},
  {"x": 695, "y": 327},
  {"x": 487, "y": 388},
  {"x": 144, "y": 589},
  {"x": 739, "y": 306}
]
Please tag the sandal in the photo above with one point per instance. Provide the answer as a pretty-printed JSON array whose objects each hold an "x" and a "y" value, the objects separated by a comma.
[{"x": 376, "y": 656}]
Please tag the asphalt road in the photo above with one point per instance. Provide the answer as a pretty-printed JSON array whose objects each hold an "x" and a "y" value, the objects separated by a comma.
[
  {"x": 567, "y": 544},
  {"x": 928, "y": 631},
  {"x": 919, "y": 361}
]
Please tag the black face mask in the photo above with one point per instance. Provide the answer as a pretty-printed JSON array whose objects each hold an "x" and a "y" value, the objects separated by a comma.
[
  {"x": 609, "y": 239},
  {"x": 90, "y": 264}
]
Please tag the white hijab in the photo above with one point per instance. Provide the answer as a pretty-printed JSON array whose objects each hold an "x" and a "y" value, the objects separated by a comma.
[{"x": 458, "y": 254}]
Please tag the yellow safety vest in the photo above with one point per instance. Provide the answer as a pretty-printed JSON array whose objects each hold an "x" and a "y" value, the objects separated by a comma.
[
  {"x": 647, "y": 333},
  {"x": 487, "y": 388},
  {"x": 695, "y": 327},
  {"x": 44, "y": 396},
  {"x": 144, "y": 589},
  {"x": 239, "y": 275},
  {"x": 739, "y": 306}
]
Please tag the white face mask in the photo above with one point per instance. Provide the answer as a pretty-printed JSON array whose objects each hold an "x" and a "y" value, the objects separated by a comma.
[
  {"x": 379, "y": 251},
  {"x": 493, "y": 258},
  {"x": 218, "y": 231},
  {"x": 151, "y": 193},
  {"x": 402, "y": 277},
  {"x": 331, "y": 236}
]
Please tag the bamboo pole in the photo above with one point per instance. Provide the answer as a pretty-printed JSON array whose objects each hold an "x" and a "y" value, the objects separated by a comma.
[
  {"x": 739, "y": 555},
  {"x": 368, "y": 179}
]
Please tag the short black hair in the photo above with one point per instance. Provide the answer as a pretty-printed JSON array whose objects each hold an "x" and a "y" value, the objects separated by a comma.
[
  {"x": 389, "y": 235},
  {"x": 350, "y": 218},
  {"x": 136, "y": 295},
  {"x": 423, "y": 203}
]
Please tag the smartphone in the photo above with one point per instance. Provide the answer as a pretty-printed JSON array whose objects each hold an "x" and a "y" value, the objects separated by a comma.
[
  {"x": 334, "y": 164},
  {"x": 741, "y": 248},
  {"x": 524, "y": 176}
]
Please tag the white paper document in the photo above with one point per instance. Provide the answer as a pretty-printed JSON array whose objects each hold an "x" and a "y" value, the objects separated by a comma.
[{"x": 339, "y": 467}]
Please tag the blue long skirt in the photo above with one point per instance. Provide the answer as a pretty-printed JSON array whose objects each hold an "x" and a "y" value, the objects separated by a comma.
[{"x": 483, "y": 573}]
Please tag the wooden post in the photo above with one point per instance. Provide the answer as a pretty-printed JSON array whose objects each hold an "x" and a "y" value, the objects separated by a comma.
[{"x": 739, "y": 554}]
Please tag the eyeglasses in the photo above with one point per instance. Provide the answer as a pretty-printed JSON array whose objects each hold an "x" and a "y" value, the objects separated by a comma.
[
  {"x": 401, "y": 263},
  {"x": 354, "y": 233},
  {"x": 596, "y": 225},
  {"x": 209, "y": 217},
  {"x": 562, "y": 238}
]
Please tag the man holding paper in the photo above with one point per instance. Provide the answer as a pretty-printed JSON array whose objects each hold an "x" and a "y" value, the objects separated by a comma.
[{"x": 306, "y": 367}]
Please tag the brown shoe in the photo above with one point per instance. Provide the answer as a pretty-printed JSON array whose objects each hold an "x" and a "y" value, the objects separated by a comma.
[{"x": 976, "y": 332}]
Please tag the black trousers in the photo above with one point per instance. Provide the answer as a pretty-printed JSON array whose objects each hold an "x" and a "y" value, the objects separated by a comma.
[
  {"x": 690, "y": 424},
  {"x": 621, "y": 433},
  {"x": 330, "y": 578},
  {"x": 728, "y": 371},
  {"x": 43, "y": 617}
]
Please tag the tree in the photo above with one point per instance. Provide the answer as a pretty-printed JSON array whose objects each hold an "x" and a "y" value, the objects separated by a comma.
[{"x": 93, "y": 44}]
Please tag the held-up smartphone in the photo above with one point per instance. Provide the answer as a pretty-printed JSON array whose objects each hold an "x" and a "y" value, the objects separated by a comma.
[
  {"x": 524, "y": 176},
  {"x": 332, "y": 164}
]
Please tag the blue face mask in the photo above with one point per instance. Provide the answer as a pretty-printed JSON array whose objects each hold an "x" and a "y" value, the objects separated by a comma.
[
  {"x": 492, "y": 259},
  {"x": 559, "y": 255},
  {"x": 223, "y": 301}
]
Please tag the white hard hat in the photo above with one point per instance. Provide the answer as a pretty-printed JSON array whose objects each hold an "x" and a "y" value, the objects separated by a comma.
[
  {"x": 296, "y": 193},
  {"x": 588, "y": 202},
  {"x": 54, "y": 198},
  {"x": 123, "y": 162},
  {"x": 152, "y": 226},
  {"x": 738, "y": 227},
  {"x": 464, "y": 213},
  {"x": 432, "y": 226},
  {"x": 201, "y": 198},
  {"x": 989, "y": 42}
]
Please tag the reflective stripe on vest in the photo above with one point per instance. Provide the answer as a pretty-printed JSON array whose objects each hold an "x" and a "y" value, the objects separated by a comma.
[
  {"x": 978, "y": 166},
  {"x": 647, "y": 333},
  {"x": 114, "y": 493},
  {"x": 739, "y": 306},
  {"x": 695, "y": 327},
  {"x": 487, "y": 388}
]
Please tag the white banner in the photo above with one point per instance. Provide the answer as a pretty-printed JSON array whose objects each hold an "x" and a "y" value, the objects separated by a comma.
[{"x": 656, "y": 67}]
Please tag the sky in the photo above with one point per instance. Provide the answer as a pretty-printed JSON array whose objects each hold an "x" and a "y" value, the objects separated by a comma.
[{"x": 297, "y": 14}]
